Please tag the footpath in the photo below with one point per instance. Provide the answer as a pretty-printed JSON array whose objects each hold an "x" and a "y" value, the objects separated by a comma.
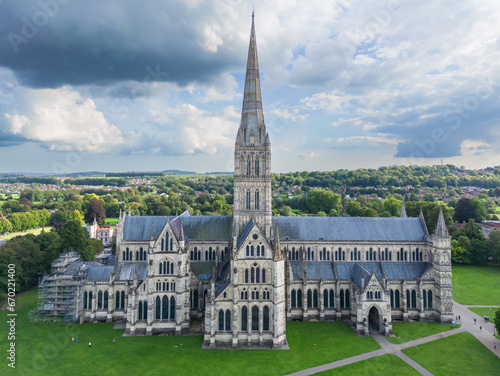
[{"x": 481, "y": 329}]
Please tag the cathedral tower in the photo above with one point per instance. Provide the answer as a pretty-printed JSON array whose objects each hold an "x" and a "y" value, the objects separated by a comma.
[{"x": 252, "y": 154}]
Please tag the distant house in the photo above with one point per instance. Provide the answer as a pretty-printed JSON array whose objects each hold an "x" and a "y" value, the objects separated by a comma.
[{"x": 103, "y": 233}]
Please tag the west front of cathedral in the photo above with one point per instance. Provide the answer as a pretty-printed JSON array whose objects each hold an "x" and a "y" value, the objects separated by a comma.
[{"x": 245, "y": 275}]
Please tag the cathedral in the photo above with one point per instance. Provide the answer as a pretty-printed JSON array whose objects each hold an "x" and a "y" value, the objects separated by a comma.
[{"x": 243, "y": 276}]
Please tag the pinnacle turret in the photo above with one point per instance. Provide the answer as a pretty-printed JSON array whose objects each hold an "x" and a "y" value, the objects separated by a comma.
[
  {"x": 403, "y": 211},
  {"x": 441, "y": 229}
]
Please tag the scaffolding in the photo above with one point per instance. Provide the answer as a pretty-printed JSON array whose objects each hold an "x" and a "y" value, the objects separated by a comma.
[{"x": 59, "y": 292}]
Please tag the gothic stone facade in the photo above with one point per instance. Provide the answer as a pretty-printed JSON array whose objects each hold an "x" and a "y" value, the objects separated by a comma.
[{"x": 245, "y": 275}]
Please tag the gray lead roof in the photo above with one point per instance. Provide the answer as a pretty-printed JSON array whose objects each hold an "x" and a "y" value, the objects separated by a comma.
[
  {"x": 195, "y": 227},
  {"x": 350, "y": 228},
  {"x": 291, "y": 228}
]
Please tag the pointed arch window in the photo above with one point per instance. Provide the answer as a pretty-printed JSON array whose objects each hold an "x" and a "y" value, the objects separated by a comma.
[
  {"x": 195, "y": 299},
  {"x": 248, "y": 200},
  {"x": 158, "y": 308},
  {"x": 294, "y": 298},
  {"x": 342, "y": 301},
  {"x": 257, "y": 168},
  {"x": 139, "y": 310},
  {"x": 85, "y": 300},
  {"x": 257, "y": 200},
  {"x": 228, "y": 320},
  {"x": 164, "y": 308},
  {"x": 255, "y": 318},
  {"x": 106, "y": 299},
  {"x": 265, "y": 324},
  {"x": 425, "y": 299},
  {"x": 299, "y": 298},
  {"x": 244, "y": 318},
  {"x": 309, "y": 299},
  {"x": 172, "y": 308},
  {"x": 257, "y": 275},
  {"x": 263, "y": 275},
  {"x": 332, "y": 299},
  {"x": 325, "y": 298},
  {"x": 347, "y": 298},
  {"x": 99, "y": 300},
  {"x": 397, "y": 303},
  {"x": 413, "y": 299},
  {"x": 248, "y": 167},
  {"x": 429, "y": 299}
]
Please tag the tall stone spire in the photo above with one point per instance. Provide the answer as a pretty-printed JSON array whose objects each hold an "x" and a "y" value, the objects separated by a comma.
[
  {"x": 252, "y": 154},
  {"x": 441, "y": 229},
  {"x": 252, "y": 128}
]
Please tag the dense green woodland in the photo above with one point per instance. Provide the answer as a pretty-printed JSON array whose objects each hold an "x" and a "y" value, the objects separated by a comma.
[{"x": 362, "y": 192}]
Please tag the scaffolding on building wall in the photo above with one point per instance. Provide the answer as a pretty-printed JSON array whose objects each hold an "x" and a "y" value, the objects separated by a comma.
[{"x": 59, "y": 292}]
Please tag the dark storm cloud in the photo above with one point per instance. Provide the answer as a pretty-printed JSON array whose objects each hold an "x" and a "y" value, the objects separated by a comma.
[{"x": 49, "y": 43}]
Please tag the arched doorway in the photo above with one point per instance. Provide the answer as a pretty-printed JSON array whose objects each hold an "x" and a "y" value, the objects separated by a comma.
[{"x": 374, "y": 319}]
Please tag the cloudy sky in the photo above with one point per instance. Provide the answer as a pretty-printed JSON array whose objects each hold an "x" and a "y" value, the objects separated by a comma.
[{"x": 154, "y": 85}]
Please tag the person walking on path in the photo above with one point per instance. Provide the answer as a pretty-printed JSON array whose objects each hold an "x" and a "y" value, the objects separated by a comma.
[
  {"x": 494, "y": 345},
  {"x": 90, "y": 344}
]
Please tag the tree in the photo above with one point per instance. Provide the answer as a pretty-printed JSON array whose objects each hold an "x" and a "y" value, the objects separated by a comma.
[
  {"x": 98, "y": 246},
  {"x": 354, "y": 208},
  {"x": 464, "y": 210},
  {"x": 95, "y": 209},
  {"x": 457, "y": 251},
  {"x": 75, "y": 215},
  {"x": 369, "y": 212},
  {"x": 393, "y": 206},
  {"x": 493, "y": 244},
  {"x": 496, "y": 320},
  {"x": 5, "y": 225},
  {"x": 29, "y": 263},
  {"x": 76, "y": 238},
  {"x": 478, "y": 252},
  {"x": 286, "y": 211},
  {"x": 322, "y": 200}
]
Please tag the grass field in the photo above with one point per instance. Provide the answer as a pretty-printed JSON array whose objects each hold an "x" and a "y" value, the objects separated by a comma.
[
  {"x": 383, "y": 365},
  {"x": 48, "y": 350},
  {"x": 459, "y": 354},
  {"x": 408, "y": 331},
  {"x": 110, "y": 221},
  {"x": 476, "y": 285},
  {"x": 15, "y": 196},
  {"x": 484, "y": 311},
  {"x": 34, "y": 231}
]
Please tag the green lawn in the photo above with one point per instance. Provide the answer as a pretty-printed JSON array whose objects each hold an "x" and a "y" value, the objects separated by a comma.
[
  {"x": 47, "y": 350},
  {"x": 408, "y": 331},
  {"x": 34, "y": 231},
  {"x": 378, "y": 366},
  {"x": 108, "y": 221},
  {"x": 476, "y": 285},
  {"x": 484, "y": 311},
  {"x": 459, "y": 354}
]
